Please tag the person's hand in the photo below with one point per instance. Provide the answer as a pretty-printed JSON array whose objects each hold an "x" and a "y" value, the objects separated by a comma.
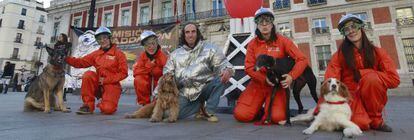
[
  {"x": 225, "y": 75},
  {"x": 101, "y": 79},
  {"x": 288, "y": 80},
  {"x": 269, "y": 83}
]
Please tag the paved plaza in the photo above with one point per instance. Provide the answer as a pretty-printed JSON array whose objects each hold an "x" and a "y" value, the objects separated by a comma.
[{"x": 18, "y": 125}]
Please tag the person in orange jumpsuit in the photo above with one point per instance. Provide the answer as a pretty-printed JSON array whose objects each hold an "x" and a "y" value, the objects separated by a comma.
[
  {"x": 111, "y": 68},
  {"x": 366, "y": 70},
  {"x": 148, "y": 67},
  {"x": 259, "y": 89}
]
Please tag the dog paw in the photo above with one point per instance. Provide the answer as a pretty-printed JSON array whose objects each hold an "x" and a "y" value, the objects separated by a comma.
[
  {"x": 308, "y": 131},
  {"x": 66, "y": 111},
  {"x": 129, "y": 116},
  {"x": 351, "y": 132},
  {"x": 154, "y": 120},
  {"x": 47, "y": 111}
]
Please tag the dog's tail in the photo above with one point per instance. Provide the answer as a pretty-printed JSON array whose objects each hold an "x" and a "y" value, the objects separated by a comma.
[
  {"x": 30, "y": 104},
  {"x": 309, "y": 116}
]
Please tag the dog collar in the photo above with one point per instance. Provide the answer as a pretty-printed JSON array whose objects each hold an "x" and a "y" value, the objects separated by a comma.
[{"x": 336, "y": 103}]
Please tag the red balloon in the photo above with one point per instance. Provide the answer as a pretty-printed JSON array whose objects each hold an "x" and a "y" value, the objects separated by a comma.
[{"x": 242, "y": 8}]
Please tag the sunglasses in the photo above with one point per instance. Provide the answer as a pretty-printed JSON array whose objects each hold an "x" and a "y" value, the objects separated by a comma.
[
  {"x": 346, "y": 30},
  {"x": 102, "y": 37},
  {"x": 150, "y": 42},
  {"x": 264, "y": 20}
]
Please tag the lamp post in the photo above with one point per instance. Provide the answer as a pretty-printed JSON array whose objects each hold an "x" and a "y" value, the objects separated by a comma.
[{"x": 39, "y": 45}]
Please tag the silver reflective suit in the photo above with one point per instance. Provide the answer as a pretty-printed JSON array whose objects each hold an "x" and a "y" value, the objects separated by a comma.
[{"x": 194, "y": 68}]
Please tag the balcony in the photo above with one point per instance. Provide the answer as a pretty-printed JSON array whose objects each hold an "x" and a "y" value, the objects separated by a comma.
[
  {"x": 14, "y": 57},
  {"x": 320, "y": 30},
  {"x": 40, "y": 32},
  {"x": 405, "y": 21},
  {"x": 20, "y": 27},
  {"x": 281, "y": 5},
  {"x": 316, "y": 2},
  {"x": 217, "y": 13},
  {"x": 18, "y": 40}
]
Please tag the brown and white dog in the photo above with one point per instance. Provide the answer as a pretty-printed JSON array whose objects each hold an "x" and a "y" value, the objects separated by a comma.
[
  {"x": 334, "y": 114},
  {"x": 166, "y": 102}
]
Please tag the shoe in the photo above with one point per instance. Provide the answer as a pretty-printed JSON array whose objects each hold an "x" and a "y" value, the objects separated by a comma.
[
  {"x": 212, "y": 118},
  {"x": 384, "y": 128},
  {"x": 84, "y": 110}
]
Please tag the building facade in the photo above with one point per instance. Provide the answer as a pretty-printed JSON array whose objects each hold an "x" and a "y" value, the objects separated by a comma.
[
  {"x": 311, "y": 24},
  {"x": 22, "y": 32}
]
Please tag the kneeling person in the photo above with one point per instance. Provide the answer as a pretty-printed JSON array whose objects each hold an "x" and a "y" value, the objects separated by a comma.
[{"x": 111, "y": 68}]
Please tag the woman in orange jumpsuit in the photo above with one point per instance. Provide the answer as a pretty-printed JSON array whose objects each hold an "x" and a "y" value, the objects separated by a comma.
[
  {"x": 148, "y": 68},
  {"x": 367, "y": 71},
  {"x": 111, "y": 68},
  {"x": 259, "y": 89}
]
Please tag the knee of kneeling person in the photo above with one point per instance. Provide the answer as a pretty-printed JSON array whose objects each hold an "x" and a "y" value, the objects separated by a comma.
[
  {"x": 89, "y": 75},
  {"x": 243, "y": 115},
  {"x": 107, "y": 108},
  {"x": 371, "y": 78}
]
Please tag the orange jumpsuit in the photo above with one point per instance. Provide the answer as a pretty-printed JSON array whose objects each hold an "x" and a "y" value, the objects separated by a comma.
[
  {"x": 112, "y": 66},
  {"x": 258, "y": 91},
  {"x": 369, "y": 96},
  {"x": 144, "y": 72}
]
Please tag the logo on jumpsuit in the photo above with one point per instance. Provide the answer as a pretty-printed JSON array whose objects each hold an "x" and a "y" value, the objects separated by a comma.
[{"x": 110, "y": 57}]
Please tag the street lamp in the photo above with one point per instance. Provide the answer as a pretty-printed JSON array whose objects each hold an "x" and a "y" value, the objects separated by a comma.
[{"x": 39, "y": 45}]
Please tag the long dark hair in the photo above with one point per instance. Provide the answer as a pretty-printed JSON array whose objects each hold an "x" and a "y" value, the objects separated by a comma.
[
  {"x": 273, "y": 36},
  {"x": 367, "y": 49},
  {"x": 64, "y": 38},
  {"x": 182, "y": 35}
]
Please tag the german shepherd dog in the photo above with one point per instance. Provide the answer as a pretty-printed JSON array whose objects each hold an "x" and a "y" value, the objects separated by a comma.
[
  {"x": 307, "y": 77},
  {"x": 41, "y": 94}
]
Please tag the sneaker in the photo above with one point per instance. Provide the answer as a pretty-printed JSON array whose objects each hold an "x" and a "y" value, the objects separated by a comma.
[
  {"x": 84, "y": 110},
  {"x": 212, "y": 118},
  {"x": 384, "y": 128}
]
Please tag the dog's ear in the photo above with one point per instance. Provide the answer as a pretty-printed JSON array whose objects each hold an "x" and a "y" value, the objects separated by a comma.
[
  {"x": 324, "y": 88},
  {"x": 50, "y": 51},
  {"x": 343, "y": 91}
]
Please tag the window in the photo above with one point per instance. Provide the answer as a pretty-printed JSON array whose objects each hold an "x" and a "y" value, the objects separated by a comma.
[
  {"x": 3, "y": 9},
  {"x": 218, "y": 8},
  {"x": 15, "y": 54},
  {"x": 324, "y": 56},
  {"x": 40, "y": 30},
  {"x": 284, "y": 29},
  {"x": 18, "y": 38},
  {"x": 55, "y": 31},
  {"x": 77, "y": 22},
  {"x": 166, "y": 9},
  {"x": 144, "y": 15},
  {"x": 189, "y": 11},
  {"x": 21, "y": 24},
  {"x": 408, "y": 44},
  {"x": 281, "y": 4},
  {"x": 125, "y": 17},
  {"x": 316, "y": 2},
  {"x": 1, "y": 22},
  {"x": 24, "y": 11},
  {"x": 405, "y": 16},
  {"x": 319, "y": 26},
  {"x": 42, "y": 19},
  {"x": 108, "y": 20}
]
